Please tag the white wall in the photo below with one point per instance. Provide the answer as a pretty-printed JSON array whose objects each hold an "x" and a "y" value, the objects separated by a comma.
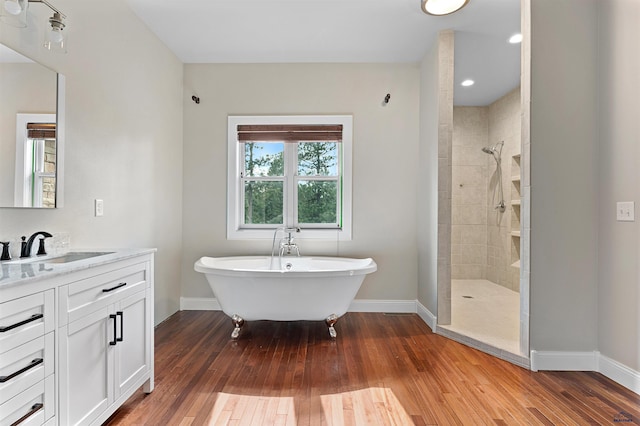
[
  {"x": 385, "y": 148},
  {"x": 124, "y": 138},
  {"x": 619, "y": 156},
  {"x": 564, "y": 173}
]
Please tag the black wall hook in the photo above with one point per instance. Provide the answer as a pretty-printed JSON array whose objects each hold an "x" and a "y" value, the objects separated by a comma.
[
  {"x": 195, "y": 99},
  {"x": 386, "y": 98}
]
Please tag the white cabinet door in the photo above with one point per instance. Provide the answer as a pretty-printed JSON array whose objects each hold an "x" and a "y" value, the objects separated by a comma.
[
  {"x": 132, "y": 350},
  {"x": 86, "y": 379}
]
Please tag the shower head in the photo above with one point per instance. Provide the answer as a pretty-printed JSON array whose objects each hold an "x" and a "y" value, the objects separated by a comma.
[
  {"x": 493, "y": 150},
  {"x": 488, "y": 150}
]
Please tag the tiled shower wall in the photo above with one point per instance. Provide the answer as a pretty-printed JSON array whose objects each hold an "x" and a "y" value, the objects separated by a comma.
[
  {"x": 469, "y": 193},
  {"x": 482, "y": 246}
]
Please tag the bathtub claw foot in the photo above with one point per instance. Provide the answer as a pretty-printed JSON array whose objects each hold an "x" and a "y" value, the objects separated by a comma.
[
  {"x": 331, "y": 320},
  {"x": 332, "y": 332},
  {"x": 238, "y": 322}
]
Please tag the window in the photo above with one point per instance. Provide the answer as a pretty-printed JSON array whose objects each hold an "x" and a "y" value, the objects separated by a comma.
[
  {"x": 289, "y": 171},
  {"x": 36, "y": 161}
]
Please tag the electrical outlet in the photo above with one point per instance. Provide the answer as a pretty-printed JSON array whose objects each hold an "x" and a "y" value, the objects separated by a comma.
[
  {"x": 625, "y": 211},
  {"x": 99, "y": 207}
]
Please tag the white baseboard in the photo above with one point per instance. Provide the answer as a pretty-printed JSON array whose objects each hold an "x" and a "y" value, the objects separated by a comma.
[
  {"x": 390, "y": 306},
  {"x": 587, "y": 361},
  {"x": 358, "y": 305},
  {"x": 619, "y": 373},
  {"x": 426, "y": 316},
  {"x": 564, "y": 361},
  {"x": 199, "y": 304}
]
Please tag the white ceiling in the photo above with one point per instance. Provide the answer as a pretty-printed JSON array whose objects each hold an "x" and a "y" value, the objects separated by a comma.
[{"x": 326, "y": 31}]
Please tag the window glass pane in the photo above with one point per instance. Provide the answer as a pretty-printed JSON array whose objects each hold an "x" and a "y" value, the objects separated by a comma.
[
  {"x": 264, "y": 159},
  {"x": 317, "y": 201},
  {"x": 263, "y": 202},
  {"x": 317, "y": 159}
]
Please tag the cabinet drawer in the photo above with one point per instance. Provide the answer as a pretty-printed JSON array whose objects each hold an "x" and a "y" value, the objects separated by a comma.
[
  {"x": 34, "y": 406},
  {"x": 26, "y": 365},
  {"x": 25, "y": 319},
  {"x": 83, "y": 297}
]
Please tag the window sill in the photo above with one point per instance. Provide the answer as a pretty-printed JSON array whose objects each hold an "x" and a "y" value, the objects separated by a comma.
[{"x": 304, "y": 234}]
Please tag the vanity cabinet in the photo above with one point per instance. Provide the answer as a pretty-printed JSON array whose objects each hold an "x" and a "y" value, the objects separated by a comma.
[
  {"x": 81, "y": 341},
  {"x": 27, "y": 359},
  {"x": 105, "y": 342}
]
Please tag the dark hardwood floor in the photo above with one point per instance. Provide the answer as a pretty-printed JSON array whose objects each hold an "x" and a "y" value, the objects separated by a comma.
[{"x": 382, "y": 369}]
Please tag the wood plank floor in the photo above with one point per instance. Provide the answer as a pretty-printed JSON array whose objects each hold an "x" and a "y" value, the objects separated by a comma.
[{"x": 381, "y": 370}]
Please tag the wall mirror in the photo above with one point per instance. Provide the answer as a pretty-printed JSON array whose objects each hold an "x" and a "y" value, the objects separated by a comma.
[{"x": 31, "y": 133}]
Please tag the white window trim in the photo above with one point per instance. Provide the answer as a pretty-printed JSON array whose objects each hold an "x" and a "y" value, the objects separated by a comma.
[
  {"x": 23, "y": 168},
  {"x": 234, "y": 209}
]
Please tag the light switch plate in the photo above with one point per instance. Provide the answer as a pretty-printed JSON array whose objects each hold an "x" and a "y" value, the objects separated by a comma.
[
  {"x": 625, "y": 211},
  {"x": 99, "y": 207}
]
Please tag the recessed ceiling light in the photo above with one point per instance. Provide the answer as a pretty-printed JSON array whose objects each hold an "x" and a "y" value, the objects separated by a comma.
[
  {"x": 442, "y": 7},
  {"x": 467, "y": 83},
  {"x": 516, "y": 38}
]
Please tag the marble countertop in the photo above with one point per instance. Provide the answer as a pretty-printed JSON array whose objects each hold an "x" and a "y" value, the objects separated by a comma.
[{"x": 37, "y": 268}]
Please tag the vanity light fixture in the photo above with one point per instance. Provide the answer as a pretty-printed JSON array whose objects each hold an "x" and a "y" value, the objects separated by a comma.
[
  {"x": 55, "y": 39},
  {"x": 14, "y": 13},
  {"x": 442, "y": 7}
]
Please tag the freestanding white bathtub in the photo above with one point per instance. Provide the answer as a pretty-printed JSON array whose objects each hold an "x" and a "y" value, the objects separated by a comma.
[{"x": 255, "y": 288}]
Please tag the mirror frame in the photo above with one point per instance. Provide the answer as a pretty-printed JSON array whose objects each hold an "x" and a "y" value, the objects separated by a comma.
[{"x": 60, "y": 139}]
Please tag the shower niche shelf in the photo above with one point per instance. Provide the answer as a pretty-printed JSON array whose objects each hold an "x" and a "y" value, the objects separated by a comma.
[{"x": 515, "y": 210}]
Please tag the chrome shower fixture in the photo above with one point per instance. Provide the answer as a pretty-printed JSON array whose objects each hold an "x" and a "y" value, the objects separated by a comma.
[
  {"x": 496, "y": 152},
  {"x": 496, "y": 149}
]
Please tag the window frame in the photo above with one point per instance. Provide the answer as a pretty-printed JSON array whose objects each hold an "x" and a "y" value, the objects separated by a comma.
[{"x": 236, "y": 230}]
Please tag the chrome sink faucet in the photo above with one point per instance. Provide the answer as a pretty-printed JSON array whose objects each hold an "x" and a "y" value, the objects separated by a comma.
[{"x": 25, "y": 250}]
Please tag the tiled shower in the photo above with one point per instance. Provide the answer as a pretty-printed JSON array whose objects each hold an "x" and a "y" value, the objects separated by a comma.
[{"x": 485, "y": 243}]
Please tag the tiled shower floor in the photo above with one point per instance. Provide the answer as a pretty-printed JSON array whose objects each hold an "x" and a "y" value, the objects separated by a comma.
[{"x": 486, "y": 312}]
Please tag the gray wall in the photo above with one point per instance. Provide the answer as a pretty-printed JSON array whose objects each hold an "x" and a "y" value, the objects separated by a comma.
[
  {"x": 619, "y": 157},
  {"x": 385, "y": 150},
  {"x": 564, "y": 174},
  {"x": 427, "y": 190},
  {"x": 124, "y": 138}
]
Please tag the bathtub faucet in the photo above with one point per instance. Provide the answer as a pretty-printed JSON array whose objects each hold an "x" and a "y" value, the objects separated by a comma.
[{"x": 287, "y": 245}]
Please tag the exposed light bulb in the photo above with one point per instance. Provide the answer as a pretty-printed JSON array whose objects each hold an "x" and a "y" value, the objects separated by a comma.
[
  {"x": 55, "y": 35},
  {"x": 516, "y": 38},
  {"x": 467, "y": 83},
  {"x": 13, "y": 7}
]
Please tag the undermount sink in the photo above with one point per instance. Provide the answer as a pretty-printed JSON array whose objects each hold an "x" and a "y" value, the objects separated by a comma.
[
  {"x": 75, "y": 256},
  {"x": 72, "y": 256}
]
